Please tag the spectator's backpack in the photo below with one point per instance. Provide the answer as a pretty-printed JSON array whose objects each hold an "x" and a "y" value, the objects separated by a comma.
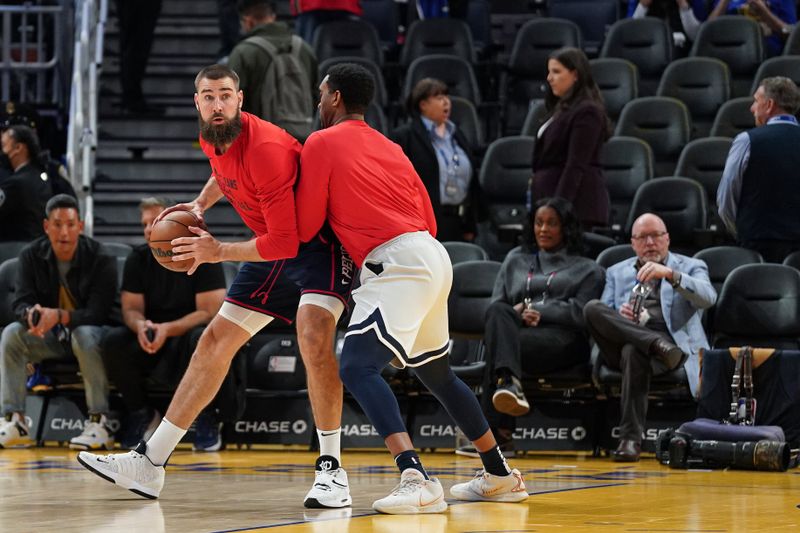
[{"x": 286, "y": 93}]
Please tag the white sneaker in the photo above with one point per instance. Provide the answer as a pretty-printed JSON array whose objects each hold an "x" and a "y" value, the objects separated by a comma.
[
  {"x": 485, "y": 487},
  {"x": 132, "y": 470},
  {"x": 96, "y": 434},
  {"x": 413, "y": 495},
  {"x": 14, "y": 432},
  {"x": 330, "y": 489}
]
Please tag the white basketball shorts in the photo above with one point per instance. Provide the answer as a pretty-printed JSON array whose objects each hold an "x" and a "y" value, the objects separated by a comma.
[{"x": 405, "y": 283}]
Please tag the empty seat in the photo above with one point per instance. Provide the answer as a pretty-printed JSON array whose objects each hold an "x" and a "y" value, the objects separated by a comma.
[
  {"x": 786, "y": 66},
  {"x": 681, "y": 204},
  {"x": 618, "y": 81},
  {"x": 461, "y": 252},
  {"x": 703, "y": 160},
  {"x": 440, "y": 36},
  {"x": 792, "y": 47},
  {"x": 593, "y": 17},
  {"x": 722, "y": 260},
  {"x": 11, "y": 249},
  {"x": 627, "y": 163},
  {"x": 456, "y": 73},
  {"x": 504, "y": 179},
  {"x": 733, "y": 118},
  {"x": 615, "y": 254},
  {"x": 525, "y": 78},
  {"x": 8, "y": 288},
  {"x": 376, "y": 118},
  {"x": 465, "y": 116},
  {"x": 702, "y": 83},
  {"x": 793, "y": 260},
  {"x": 647, "y": 43},
  {"x": 117, "y": 249},
  {"x": 381, "y": 95},
  {"x": 660, "y": 121},
  {"x": 736, "y": 40},
  {"x": 534, "y": 119},
  {"x": 352, "y": 38},
  {"x": 759, "y": 306}
]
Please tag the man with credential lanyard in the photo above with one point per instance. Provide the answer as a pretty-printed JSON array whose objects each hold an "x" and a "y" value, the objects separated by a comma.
[{"x": 759, "y": 194}]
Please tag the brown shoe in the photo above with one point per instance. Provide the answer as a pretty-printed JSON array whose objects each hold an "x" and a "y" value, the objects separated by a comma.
[
  {"x": 627, "y": 451},
  {"x": 669, "y": 353}
]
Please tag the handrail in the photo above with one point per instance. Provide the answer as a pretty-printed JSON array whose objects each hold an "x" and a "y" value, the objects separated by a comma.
[{"x": 90, "y": 20}]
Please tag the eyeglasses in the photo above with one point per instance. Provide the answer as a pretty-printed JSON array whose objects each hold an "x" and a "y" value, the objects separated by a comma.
[{"x": 653, "y": 236}]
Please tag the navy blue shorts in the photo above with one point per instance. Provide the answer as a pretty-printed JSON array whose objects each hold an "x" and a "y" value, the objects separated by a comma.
[{"x": 274, "y": 288}]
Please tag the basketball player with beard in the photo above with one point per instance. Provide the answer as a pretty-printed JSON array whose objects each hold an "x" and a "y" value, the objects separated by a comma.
[{"x": 254, "y": 165}]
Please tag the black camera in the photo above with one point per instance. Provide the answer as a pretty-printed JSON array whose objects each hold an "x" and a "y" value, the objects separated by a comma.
[{"x": 767, "y": 455}]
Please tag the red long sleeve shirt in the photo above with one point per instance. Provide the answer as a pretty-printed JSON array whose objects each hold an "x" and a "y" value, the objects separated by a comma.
[
  {"x": 257, "y": 175},
  {"x": 365, "y": 186}
]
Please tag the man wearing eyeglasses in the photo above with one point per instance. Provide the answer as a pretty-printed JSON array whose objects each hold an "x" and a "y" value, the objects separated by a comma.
[{"x": 648, "y": 321}]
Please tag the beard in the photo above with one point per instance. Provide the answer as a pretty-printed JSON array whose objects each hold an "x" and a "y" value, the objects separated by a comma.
[{"x": 222, "y": 134}]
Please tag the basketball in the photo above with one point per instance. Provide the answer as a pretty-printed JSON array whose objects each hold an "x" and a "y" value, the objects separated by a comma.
[{"x": 173, "y": 225}]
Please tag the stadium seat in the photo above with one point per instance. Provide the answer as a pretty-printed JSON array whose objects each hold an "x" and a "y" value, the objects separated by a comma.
[
  {"x": 455, "y": 72},
  {"x": 702, "y": 83},
  {"x": 376, "y": 118},
  {"x": 793, "y": 260},
  {"x": 8, "y": 288},
  {"x": 733, "y": 118},
  {"x": 525, "y": 77},
  {"x": 117, "y": 249},
  {"x": 11, "y": 249},
  {"x": 721, "y": 261},
  {"x": 737, "y": 41},
  {"x": 352, "y": 38},
  {"x": 381, "y": 94},
  {"x": 534, "y": 119},
  {"x": 787, "y": 66},
  {"x": 645, "y": 42},
  {"x": 627, "y": 163},
  {"x": 661, "y": 122},
  {"x": 792, "y": 46},
  {"x": 758, "y": 306},
  {"x": 615, "y": 254},
  {"x": 473, "y": 283},
  {"x": 438, "y": 36},
  {"x": 703, "y": 160},
  {"x": 618, "y": 81},
  {"x": 593, "y": 17},
  {"x": 504, "y": 179},
  {"x": 465, "y": 116},
  {"x": 681, "y": 204},
  {"x": 461, "y": 252}
]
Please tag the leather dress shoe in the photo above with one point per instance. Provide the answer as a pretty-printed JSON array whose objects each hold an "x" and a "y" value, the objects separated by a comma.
[
  {"x": 669, "y": 354},
  {"x": 627, "y": 451}
]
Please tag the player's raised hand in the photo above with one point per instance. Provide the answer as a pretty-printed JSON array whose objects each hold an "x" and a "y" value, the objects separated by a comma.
[{"x": 203, "y": 249}]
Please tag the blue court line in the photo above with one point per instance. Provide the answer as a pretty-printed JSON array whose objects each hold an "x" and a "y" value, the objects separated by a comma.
[{"x": 297, "y": 523}]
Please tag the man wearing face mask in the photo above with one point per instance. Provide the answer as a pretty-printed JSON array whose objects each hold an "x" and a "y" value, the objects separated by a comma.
[
  {"x": 25, "y": 191},
  {"x": 657, "y": 333}
]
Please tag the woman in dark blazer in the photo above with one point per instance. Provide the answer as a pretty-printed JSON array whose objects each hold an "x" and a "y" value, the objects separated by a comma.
[
  {"x": 566, "y": 158},
  {"x": 441, "y": 155}
]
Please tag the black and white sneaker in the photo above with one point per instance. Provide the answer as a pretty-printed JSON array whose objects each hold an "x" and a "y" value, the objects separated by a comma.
[
  {"x": 509, "y": 398},
  {"x": 331, "y": 489}
]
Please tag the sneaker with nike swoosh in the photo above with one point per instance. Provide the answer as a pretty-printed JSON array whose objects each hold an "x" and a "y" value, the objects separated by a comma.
[
  {"x": 485, "y": 487},
  {"x": 414, "y": 495}
]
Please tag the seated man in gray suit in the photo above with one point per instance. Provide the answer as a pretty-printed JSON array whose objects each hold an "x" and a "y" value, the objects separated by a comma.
[{"x": 674, "y": 290}]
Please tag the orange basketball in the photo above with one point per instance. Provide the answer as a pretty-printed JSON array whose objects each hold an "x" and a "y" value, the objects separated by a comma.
[{"x": 173, "y": 225}]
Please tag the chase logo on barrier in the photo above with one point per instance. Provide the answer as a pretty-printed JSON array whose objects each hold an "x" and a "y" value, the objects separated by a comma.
[{"x": 282, "y": 427}]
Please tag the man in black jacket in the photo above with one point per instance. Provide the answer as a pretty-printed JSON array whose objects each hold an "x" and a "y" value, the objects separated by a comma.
[
  {"x": 25, "y": 191},
  {"x": 64, "y": 293}
]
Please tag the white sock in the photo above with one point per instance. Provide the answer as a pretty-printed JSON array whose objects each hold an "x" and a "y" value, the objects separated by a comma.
[
  {"x": 163, "y": 442},
  {"x": 330, "y": 442}
]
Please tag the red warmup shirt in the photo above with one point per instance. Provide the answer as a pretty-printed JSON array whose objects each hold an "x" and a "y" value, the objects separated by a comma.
[
  {"x": 364, "y": 184},
  {"x": 257, "y": 175},
  {"x": 302, "y": 6}
]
